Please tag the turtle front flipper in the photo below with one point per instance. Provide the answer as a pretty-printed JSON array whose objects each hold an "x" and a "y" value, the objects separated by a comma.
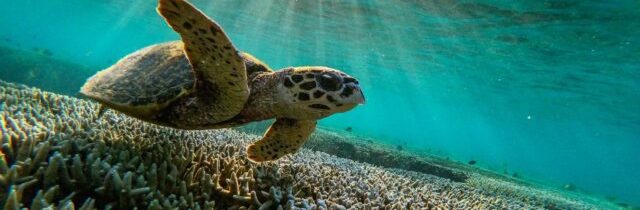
[
  {"x": 219, "y": 70},
  {"x": 254, "y": 66},
  {"x": 285, "y": 136}
]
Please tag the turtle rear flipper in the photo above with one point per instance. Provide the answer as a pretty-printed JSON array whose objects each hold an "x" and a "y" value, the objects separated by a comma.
[
  {"x": 218, "y": 68},
  {"x": 284, "y": 137}
]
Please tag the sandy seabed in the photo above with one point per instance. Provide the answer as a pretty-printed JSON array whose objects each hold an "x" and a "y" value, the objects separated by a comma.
[{"x": 58, "y": 153}]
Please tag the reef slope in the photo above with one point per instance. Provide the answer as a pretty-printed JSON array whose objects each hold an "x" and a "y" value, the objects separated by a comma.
[
  {"x": 57, "y": 151},
  {"x": 41, "y": 68}
]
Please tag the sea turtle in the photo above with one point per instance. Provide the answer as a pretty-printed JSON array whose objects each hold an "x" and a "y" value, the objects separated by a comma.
[{"x": 203, "y": 82}]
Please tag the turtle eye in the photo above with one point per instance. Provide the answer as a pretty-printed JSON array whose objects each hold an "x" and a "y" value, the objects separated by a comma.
[{"x": 329, "y": 82}]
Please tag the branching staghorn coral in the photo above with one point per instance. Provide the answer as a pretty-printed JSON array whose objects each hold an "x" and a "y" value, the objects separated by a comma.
[{"x": 58, "y": 152}]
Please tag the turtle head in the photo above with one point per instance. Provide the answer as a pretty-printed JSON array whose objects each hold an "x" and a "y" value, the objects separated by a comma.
[{"x": 315, "y": 92}]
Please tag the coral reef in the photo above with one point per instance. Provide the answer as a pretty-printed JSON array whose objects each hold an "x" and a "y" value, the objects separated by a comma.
[
  {"x": 57, "y": 152},
  {"x": 349, "y": 146}
]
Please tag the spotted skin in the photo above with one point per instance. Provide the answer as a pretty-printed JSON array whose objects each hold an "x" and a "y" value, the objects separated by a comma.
[
  {"x": 309, "y": 93},
  {"x": 219, "y": 68},
  {"x": 284, "y": 137},
  {"x": 321, "y": 90}
]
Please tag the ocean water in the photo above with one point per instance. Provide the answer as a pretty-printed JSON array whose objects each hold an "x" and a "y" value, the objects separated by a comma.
[{"x": 548, "y": 91}]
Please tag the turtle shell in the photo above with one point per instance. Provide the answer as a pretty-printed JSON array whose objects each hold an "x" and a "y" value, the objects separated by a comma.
[{"x": 144, "y": 82}]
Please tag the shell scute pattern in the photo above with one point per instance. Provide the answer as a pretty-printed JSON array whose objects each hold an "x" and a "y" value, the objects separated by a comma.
[{"x": 154, "y": 75}]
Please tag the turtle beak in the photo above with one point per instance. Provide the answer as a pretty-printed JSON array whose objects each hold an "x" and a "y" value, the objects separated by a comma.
[
  {"x": 354, "y": 95},
  {"x": 359, "y": 95}
]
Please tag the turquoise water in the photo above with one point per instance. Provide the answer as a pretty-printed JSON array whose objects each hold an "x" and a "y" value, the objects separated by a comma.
[{"x": 547, "y": 90}]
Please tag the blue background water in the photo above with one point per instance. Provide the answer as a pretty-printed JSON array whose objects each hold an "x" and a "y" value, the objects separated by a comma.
[{"x": 549, "y": 90}]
